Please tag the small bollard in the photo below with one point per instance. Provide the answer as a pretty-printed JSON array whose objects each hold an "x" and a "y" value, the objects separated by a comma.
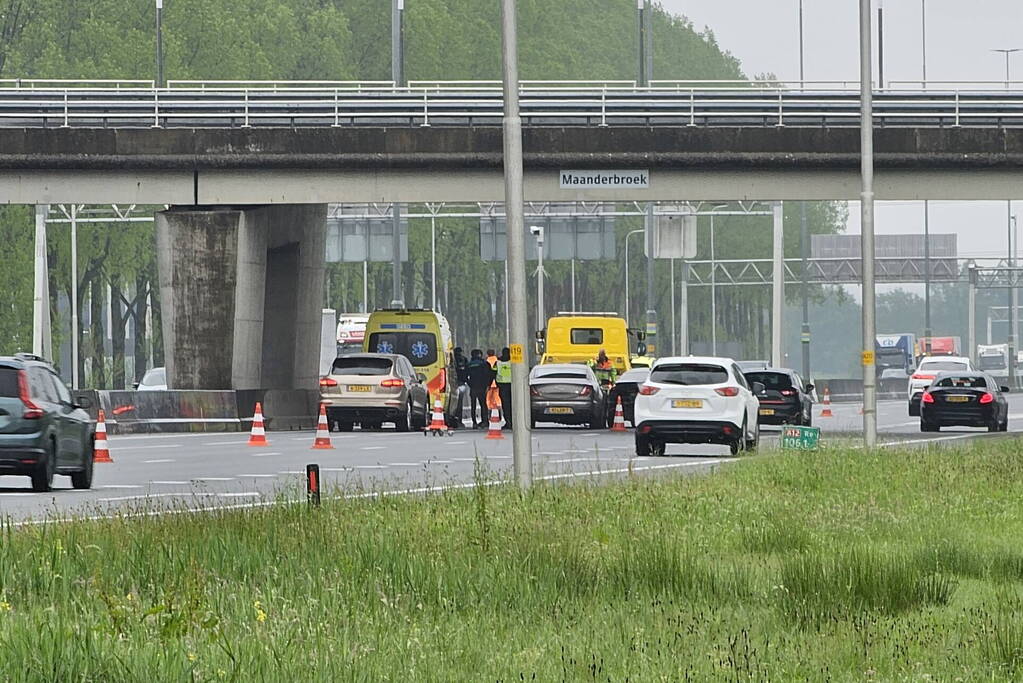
[{"x": 312, "y": 484}]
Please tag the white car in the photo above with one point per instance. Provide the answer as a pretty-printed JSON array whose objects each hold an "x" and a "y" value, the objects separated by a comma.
[
  {"x": 154, "y": 380},
  {"x": 925, "y": 373},
  {"x": 696, "y": 399}
]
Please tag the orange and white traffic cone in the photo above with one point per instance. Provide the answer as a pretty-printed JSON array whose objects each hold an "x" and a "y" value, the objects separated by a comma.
[
  {"x": 437, "y": 424},
  {"x": 494, "y": 430},
  {"x": 257, "y": 437},
  {"x": 619, "y": 423},
  {"x": 100, "y": 449},
  {"x": 322, "y": 431},
  {"x": 827, "y": 404}
]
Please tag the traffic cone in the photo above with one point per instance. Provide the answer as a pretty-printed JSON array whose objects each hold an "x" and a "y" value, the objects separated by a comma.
[
  {"x": 494, "y": 430},
  {"x": 619, "y": 423},
  {"x": 322, "y": 431},
  {"x": 257, "y": 437},
  {"x": 100, "y": 450},
  {"x": 827, "y": 404},
  {"x": 437, "y": 423}
]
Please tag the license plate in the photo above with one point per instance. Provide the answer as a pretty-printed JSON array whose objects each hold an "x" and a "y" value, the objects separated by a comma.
[
  {"x": 687, "y": 403},
  {"x": 957, "y": 399},
  {"x": 767, "y": 411},
  {"x": 560, "y": 410},
  {"x": 360, "y": 387}
]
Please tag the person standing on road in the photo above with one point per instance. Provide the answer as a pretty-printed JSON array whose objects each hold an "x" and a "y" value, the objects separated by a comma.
[
  {"x": 605, "y": 372},
  {"x": 461, "y": 364},
  {"x": 481, "y": 376},
  {"x": 493, "y": 398},
  {"x": 504, "y": 387}
]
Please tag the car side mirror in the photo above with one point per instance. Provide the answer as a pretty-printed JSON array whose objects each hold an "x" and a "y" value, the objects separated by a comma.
[
  {"x": 135, "y": 386},
  {"x": 540, "y": 335},
  {"x": 757, "y": 388},
  {"x": 809, "y": 388},
  {"x": 641, "y": 349},
  {"x": 82, "y": 402},
  {"x": 1004, "y": 390},
  {"x": 421, "y": 378}
]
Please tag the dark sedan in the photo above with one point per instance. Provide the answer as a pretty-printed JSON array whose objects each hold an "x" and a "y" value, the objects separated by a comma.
[
  {"x": 966, "y": 399},
  {"x": 626, "y": 388},
  {"x": 785, "y": 398},
  {"x": 566, "y": 394}
]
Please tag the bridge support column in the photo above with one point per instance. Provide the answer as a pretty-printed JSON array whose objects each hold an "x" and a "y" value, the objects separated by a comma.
[{"x": 241, "y": 291}]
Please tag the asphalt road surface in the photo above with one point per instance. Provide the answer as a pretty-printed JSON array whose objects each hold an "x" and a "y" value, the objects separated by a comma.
[{"x": 191, "y": 471}]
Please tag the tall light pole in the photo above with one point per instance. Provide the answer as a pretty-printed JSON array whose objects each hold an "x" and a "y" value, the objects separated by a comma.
[
  {"x": 880, "y": 44},
  {"x": 713, "y": 286},
  {"x": 159, "y": 44},
  {"x": 522, "y": 456},
  {"x": 398, "y": 76},
  {"x": 627, "y": 236},
  {"x": 867, "y": 234},
  {"x": 537, "y": 231},
  {"x": 646, "y": 67},
  {"x": 804, "y": 333},
  {"x": 1007, "y": 51},
  {"x": 923, "y": 42},
  {"x": 928, "y": 333}
]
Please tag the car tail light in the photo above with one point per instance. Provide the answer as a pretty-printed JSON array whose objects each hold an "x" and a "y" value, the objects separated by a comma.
[
  {"x": 987, "y": 398},
  {"x": 919, "y": 376},
  {"x": 585, "y": 391},
  {"x": 927, "y": 398},
  {"x": 32, "y": 411},
  {"x": 727, "y": 391},
  {"x": 788, "y": 392},
  {"x": 393, "y": 382},
  {"x": 726, "y": 429},
  {"x": 328, "y": 382},
  {"x": 647, "y": 390}
]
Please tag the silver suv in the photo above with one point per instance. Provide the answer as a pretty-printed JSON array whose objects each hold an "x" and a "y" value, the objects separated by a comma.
[{"x": 373, "y": 388}]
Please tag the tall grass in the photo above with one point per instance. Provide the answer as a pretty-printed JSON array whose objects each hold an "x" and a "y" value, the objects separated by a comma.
[{"x": 837, "y": 565}]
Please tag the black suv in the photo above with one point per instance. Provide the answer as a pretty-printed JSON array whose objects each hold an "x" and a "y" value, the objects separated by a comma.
[
  {"x": 785, "y": 399},
  {"x": 42, "y": 430}
]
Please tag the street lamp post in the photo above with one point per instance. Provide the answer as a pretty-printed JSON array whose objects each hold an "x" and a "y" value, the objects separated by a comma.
[
  {"x": 867, "y": 230},
  {"x": 713, "y": 286},
  {"x": 1007, "y": 51},
  {"x": 627, "y": 236},
  {"x": 397, "y": 75},
  {"x": 159, "y": 44},
  {"x": 804, "y": 333},
  {"x": 537, "y": 231}
]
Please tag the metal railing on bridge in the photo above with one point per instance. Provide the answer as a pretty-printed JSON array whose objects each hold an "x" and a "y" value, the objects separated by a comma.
[{"x": 113, "y": 104}]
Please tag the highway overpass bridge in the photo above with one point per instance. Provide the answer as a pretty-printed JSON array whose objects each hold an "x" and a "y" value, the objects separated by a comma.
[{"x": 248, "y": 168}]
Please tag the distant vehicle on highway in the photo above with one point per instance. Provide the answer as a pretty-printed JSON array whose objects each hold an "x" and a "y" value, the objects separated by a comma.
[
  {"x": 895, "y": 352},
  {"x": 626, "y": 388},
  {"x": 155, "y": 379},
  {"x": 786, "y": 398},
  {"x": 578, "y": 337},
  {"x": 750, "y": 365},
  {"x": 937, "y": 346},
  {"x": 351, "y": 332},
  {"x": 969, "y": 399},
  {"x": 925, "y": 373},
  {"x": 373, "y": 388},
  {"x": 43, "y": 431},
  {"x": 567, "y": 393},
  {"x": 993, "y": 359},
  {"x": 696, "y": 399}
]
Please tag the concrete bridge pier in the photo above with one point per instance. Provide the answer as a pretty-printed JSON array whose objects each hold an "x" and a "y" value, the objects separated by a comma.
[{"x": 241, "y": 291}]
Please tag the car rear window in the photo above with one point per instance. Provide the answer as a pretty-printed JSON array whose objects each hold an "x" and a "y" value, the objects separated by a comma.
[
  {"x": 770, "y": 380},
  {"x": 561, "y": 375},
  {"x": 419, "y": 347},
  {"x": 689, "y": 374},
  {"x": 9, "y": 382},
  {"x": 942, "y": 366},
  {"x": 587, "y": 335},
  {"x": 348, "y": 365},
  {"x": 962, "y": 382}
]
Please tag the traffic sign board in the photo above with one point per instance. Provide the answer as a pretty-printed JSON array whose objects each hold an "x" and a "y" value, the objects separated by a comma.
[
  {"x": 800, "y": 438},
  {"x": 516, "y": 353}
]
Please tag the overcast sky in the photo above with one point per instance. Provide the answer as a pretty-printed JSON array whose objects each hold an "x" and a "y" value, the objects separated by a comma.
[{"x": 764, "y": 36}]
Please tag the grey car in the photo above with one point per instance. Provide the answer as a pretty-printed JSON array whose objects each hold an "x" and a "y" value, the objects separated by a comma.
[{"x": 566, "y": 394}]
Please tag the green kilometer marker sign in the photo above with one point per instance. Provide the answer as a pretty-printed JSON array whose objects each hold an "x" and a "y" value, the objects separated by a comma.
[{"x": 800, "y": 438}]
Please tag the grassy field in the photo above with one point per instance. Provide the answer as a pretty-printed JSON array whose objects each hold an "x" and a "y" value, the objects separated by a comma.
[{"x": 900, "y": 565}]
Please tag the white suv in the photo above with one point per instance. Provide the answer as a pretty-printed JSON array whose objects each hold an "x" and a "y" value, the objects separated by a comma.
[
  {"x": 925, "y": 372},
  {"x": 695, "y": 399}
]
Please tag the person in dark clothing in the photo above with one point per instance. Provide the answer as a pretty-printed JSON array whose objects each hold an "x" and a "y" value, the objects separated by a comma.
[
  {"x": 480, "y": 375},
  {"x": 461, "y": 364},
  {"x": 504, "y": 386}
]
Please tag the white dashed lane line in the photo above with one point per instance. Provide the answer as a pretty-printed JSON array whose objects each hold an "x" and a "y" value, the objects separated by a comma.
[
  {"x": 205, "y": 479},
  {"x": 373, "y": 448},
  {"x": 153, "y": 462},
  {"x": 256, "y": 476},
  {"x": 371, "y": 467}
]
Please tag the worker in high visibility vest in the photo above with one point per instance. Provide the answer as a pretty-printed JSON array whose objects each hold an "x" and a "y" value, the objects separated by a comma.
[
  {"x": 504, "y": 387},
  {"x": 493, "y": 397},
  {"x": 605, "y": 372}
]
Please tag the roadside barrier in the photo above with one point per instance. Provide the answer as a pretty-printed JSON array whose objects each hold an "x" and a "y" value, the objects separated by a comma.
[
  {"x": 100, "y": 449},
  {"x": 257, "y": 437},
  {"x": 494, "y": 430},
  {"x": 827, "y": 404},
  {"x": 619, "y": 422},
  {"x": 322, "y": 431}
]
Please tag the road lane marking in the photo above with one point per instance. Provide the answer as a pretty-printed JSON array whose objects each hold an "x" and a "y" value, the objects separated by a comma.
[
  {"x": 203, "y": 479},
  {"x": 257, "y": 476},
  {"x": 171, "y": 482},
  {"x": 263, "y": 455},
  {"x": 556, "y": 462},
  {"x": 336, "y": 469},
  {"x": 549, "y": 453},
  {"x": 224, "y": 443},
  {"x": 120, "y": 486},
  {"x": 371, "y": 467},
  {"x": 931, "y": 440},
  {"x": 498, "y": 457},
  {"x": 291, "y": 472},
  {"x": 456, "y": 443},
  {"x": 373, "y": 448},
  {"x": 464, "y": 459},
  {"x": 241, "y": 494},
  {"x": 147, "y": 447},
  {"x": 153, "y": 462},
  {"x": 439, "y": 462},
  {"x": 406, "y": 464}
]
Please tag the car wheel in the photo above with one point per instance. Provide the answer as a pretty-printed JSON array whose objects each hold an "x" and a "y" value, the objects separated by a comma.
[
  {"x": 42, "y": 478},
  {"x": 926, "y": 426},
  {"x": 1004, "y": 426},
  {"x": 532, "y": 423},
  {"x": 642, "y": 445},
  {"x": 914, "y": 409},
  {"x": 734, "y": 447},
  {"x": 83, "y": 478},
  {"x": 418, "y": 421},
  {"x": 751, "y": 444},
  {"x": 403, "y": 423},
  {"x": 657, "y": 449},
  {"x": 808, "y": 420},
  {"x": 994, "y": 427},
  {"x": 345, "y": 426}
]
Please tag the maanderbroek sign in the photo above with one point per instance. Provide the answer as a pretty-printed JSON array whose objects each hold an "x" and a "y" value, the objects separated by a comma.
[{"x": 634, "y": 179}]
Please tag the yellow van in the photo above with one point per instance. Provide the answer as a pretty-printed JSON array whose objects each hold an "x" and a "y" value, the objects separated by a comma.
[
  {"x": 579, "y": 337},
  {"x": 424, "y": 337}
]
